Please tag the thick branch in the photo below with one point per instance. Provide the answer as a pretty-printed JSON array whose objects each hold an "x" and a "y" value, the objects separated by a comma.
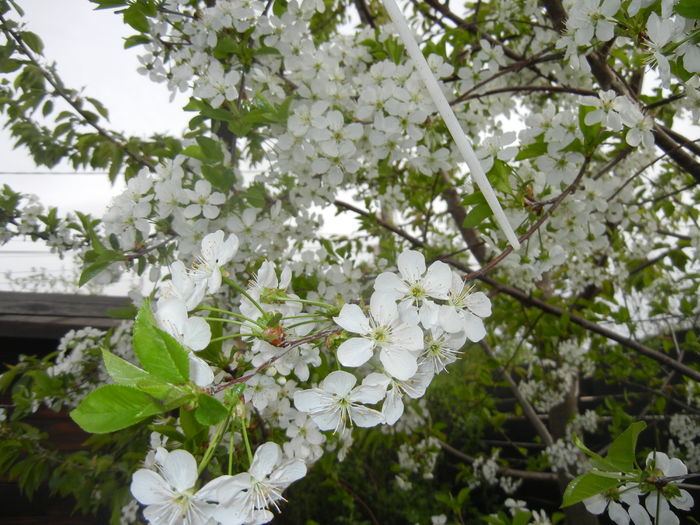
[
  {"x": 525, "y": 474},
  {"x": 529, "y": 412}
]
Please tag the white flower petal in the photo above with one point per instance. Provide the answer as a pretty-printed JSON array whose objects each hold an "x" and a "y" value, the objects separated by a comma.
[
  {"x": 684, "y": 501},
  {"x": 474, "y": 327},
  {"x": 675, "y": 467},
  {"x": 411, "y": 264},
  {"x": 339, "y": 383},
  {"x": 352, "y": 319},
  {"x": 365, "y": 417},
  {"x": 438, "y": 279},
  {"x": 479, "y": 304},
  {"x": 393, "y": 406},
  {"x": 618, "y": 514},
  {"x": 308, "y": 400},
  {"x": 289, "y": 472},
  {"x": 401, "y": 364},
  {"x": 383, "y": 308},
  {"x": 388, "y": 282},
  {"x": 197, "y": 333},
  {"x": 356, "y": 351},
  {"x": 450, "y": 319},
  {"x": 264, "y": 460},
  {"x": 328, "y": 419},
  {"x": 639, "y": 515},
  {"x": 180, "y": 470},
  {"x": 149, "y": 488},
  {"x": 200, "y": 372}
]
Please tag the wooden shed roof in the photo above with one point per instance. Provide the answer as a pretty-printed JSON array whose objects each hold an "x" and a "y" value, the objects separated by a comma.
[{"x": 49, "y": 316}]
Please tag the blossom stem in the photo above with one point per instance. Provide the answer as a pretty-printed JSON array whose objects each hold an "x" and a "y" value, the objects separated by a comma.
[
  {"x": 225, "y": 337},
  {"x": 244, "y": 430},
  {"x": 254, "y": 327},
  {"x": 242, "y": 291},
  {"x": 226, "y": 312},
  {"x": 230, "y": 447},
  {"x": 307, "y": 301},
  {"x": 312, "y": 321},
  {"x": 213, "y": 444}
]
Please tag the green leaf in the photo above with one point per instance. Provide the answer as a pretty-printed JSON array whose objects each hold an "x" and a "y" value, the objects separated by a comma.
[
  {"x": 210, "y": 410},
  {"x": 688, "y": 8},
  {"x": 8, "y": 65},
  {"x": 121, "y": 371},
  {"x": 586, "y": 486},
  {"x": 96, "y": 262},
  {"x": 476, "y": 215},
  {"x": 255, "y": 195},
  {"x": 122, "y": 312},
  {"x": 47, "y": 108},
  {"x": 113, "y": 407},
  {"x": 136, "y": 40},
  {"x": 211, "y": 150},
  {"x": 536, "y": 149},
  {"x": 622, "y": 451},
  {"x": 189, "y": 424},
  {"x": 596, "y": 460},
  {"x": 159, "y": 353},
  {"x": 136, "y": 19},
  {"x": 33, "y": 41},
  {"x": 279, "y": 7},
  {"x": 221, "y": 177},
  {"x": 195, "y": 152},
  {"x": 475, "y": 198}
]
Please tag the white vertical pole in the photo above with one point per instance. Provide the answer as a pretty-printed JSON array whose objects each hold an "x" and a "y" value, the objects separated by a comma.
[{"x": 450, "y": 119}]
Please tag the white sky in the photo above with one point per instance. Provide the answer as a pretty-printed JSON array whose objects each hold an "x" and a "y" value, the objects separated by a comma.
[{"x": 87, "y": 47}]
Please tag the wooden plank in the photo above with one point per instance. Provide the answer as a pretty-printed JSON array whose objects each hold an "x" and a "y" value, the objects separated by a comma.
[{"x": 49, "y": 316}]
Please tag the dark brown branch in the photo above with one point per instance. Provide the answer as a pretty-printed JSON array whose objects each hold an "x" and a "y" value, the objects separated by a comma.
[
  {"x": 529, "y": 412},
  {"x": 525, "y": 474}
]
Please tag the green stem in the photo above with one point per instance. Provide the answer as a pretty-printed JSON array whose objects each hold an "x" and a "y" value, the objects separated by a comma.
[
  {"x": 307, "y": 301},
  {"x": 303, "y": 316},
  {"x": 232, "y": 321},
  {"x": 313, "y": 321},
  {"x": 224, "y": 337},
  {"x": 213, "y": 444},
  {"x": 226, "y": 312},
  {"x": 230, "y": 448},
  {"x": 244, "y": 429},
  {"x": 236, "y": 286}
]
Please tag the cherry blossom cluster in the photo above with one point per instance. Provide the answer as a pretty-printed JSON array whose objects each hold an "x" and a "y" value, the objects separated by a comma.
[{"x": 418, "y": 320}]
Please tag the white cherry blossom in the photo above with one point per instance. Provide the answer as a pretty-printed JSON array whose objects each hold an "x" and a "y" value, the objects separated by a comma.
[
  {"x": 215, "y": 253},
  {"x": 246, "y": 497},
  {"x": 169, "y": 496},
  {"x": 464, "y": 310},
  {"x": 335, "y": 403},
  {"x": 398, "y": 341}
]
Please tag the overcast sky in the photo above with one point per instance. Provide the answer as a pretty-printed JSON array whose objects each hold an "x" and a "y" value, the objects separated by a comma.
[{"x": 87, "y": 46}]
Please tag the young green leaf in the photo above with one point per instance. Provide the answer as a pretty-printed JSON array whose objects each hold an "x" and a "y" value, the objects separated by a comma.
[
  {"x": 210, "y": 410},
  {"x": 159, "y": 353},
  {"x": 113, "y": 407},
  {"x": 121, "y": 371},
  {"x": 586, "y": 486},
  {"x": 622, "y": 451}
]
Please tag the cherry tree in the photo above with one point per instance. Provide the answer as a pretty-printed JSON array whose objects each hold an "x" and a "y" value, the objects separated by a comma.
[{"x": 520, "y": 275}]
